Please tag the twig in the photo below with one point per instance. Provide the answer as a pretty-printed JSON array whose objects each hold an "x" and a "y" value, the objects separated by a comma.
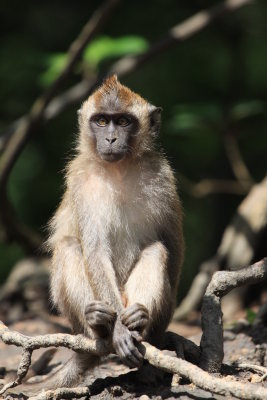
[
  {"x": 251, "y": 367},
  {"x": 25, "y": 129},
  {"x": 126, "y": 65},
  {"x": 197, "y": 289},
  {"x": 154, "y": 356},
  {"x": 222, "y": 283},
  {"x": 63, "y": 393},
  {"x": 201, "y": 378},
  {"x": 29, "y": 344},
  {"x": 263, "y": 377},
  {"x": 28, "y": 126},
  {"x": 237, "y": 162},
  {"x": 206, "y": 187},
  {"x": 179, "y": 33}
]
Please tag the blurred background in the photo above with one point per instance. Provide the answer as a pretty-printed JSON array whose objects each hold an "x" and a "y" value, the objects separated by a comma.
[{"x": 212, "y": 85}]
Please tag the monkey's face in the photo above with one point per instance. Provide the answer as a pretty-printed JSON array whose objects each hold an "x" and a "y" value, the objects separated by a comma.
[{"x": 113, "y": 134}]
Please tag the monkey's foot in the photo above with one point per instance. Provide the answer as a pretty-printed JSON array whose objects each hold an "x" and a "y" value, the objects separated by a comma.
[
  {"x": 135, "y": 317},
  {"x": 100, "y": 317}
]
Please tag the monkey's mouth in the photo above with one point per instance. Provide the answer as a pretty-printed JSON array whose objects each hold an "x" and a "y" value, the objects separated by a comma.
[{"x": 112, "y": 157}]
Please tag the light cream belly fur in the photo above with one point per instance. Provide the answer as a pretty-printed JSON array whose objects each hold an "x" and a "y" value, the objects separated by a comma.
[{"x": 121, "y": 221}]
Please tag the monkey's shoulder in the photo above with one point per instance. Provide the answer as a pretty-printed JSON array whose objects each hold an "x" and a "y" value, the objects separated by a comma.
[{"x": 157, "y": 172}]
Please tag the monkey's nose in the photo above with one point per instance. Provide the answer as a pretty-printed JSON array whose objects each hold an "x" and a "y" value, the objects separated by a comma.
[{"x": 111, "y": 140}]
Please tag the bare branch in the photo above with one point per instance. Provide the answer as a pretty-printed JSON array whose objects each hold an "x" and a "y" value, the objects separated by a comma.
[
  {"x": 154, "y": 356},
  {"x": 62, "y": 393},
  {"x": 201, "y": 378},
  {"x": 126, "y": 65},
  {"x": 29, "y": 124},
  {"x": 251, "y": 367},
  {"x": 197, "y": 289},
  {"x": 179, "y": 33},
  {"x": 236, "y": 161},
  {"x": 237, "y": 247},
  {"x": 44, "y": 108},
  {"x": 222, "y": 283},
  {"x": 206, "y": 187}
]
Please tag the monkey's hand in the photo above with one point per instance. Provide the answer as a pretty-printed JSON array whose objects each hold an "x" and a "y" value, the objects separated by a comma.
[
  {"x": 135, "y": 317},
  {"x": 124, "y": 343},
  {"x": 100, "y": 317}
]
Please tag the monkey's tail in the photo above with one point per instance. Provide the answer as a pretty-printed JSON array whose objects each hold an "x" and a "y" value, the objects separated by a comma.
[{"x": 69, "y": 375}]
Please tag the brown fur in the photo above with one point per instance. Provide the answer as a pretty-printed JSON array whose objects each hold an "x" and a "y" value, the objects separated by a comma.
[{"x": 117, "y": 235}]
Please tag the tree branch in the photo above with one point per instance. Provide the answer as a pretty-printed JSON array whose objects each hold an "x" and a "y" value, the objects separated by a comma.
[
  {"x": 210, "y": 353},
  {"x": 44, "y": 108},
  {"x": 206, "y": 187},
  {"x": 63, "y": 393},
  {"x": 30, "y": 123},
  {"x": 236, "y": 161},
  {"x": 237, "y": 247},
  {"x": 128, "y": 64},
  {"x": 25, "y": 129},
  {"x": 222, "y": 283},
  {"x": 154, "y": 356}
]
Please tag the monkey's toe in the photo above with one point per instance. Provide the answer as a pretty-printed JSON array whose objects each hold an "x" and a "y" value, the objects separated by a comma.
[{"x": 99, "y": 313}]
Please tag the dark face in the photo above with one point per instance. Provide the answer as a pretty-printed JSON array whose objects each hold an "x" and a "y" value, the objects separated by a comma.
[{"x": 113, "y": 133}]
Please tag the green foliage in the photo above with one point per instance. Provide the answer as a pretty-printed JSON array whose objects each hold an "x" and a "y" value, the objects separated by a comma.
[
  {"x": 55, "y": 64},
  {"x": 105, "y": 47},
  {"x": 189, "y": 118},
  {"x": 247, "y": 109},
  {"x": 100, "y": 49}
]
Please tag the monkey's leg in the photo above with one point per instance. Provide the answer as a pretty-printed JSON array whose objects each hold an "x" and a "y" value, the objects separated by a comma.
[
  {"x": 149, "y": 295},
  {"x": 71, "y": 292},
  {"x": 70, "y": 287},
  {"x": 149, "y": 286}
]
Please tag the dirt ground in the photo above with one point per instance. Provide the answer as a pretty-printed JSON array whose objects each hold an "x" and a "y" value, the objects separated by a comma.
[{"x": 112, "y": 380}]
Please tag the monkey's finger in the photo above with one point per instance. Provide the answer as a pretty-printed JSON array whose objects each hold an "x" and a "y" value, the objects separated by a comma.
[
  {"x": 133, "y": 310},
  {"x": 99, "y": 307},
  {"x": 99, "y": 319},
  {"x": 135, "y": 317},
  {"x": 99, "y": 315},
  {"x": 136, "y": 336},
  {"x": 131, "y": 352},
  {"x": 135, "y": 355},
  {"x": 122, "y": 352}
]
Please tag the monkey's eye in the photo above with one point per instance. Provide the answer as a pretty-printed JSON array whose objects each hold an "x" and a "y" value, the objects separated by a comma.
[
  {"x": 123, "y": 121},
  {"x": 101, "y": 121}
]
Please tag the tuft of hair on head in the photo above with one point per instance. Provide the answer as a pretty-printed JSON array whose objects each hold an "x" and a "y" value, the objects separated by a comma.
[
  {"x": 110, "y": 83},
  {"x": 112, "y": 90}
]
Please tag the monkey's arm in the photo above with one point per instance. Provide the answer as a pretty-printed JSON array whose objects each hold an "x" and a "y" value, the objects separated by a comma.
[{"x": 152, "y": 284}]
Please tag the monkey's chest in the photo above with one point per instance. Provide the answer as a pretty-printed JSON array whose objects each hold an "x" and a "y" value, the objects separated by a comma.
[
  {"x": 121, "y": 220},
  {"x": 129, "y": 229}
]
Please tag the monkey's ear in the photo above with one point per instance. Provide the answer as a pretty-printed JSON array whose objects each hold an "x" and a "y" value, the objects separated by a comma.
[{"x": 155, "y": 119}]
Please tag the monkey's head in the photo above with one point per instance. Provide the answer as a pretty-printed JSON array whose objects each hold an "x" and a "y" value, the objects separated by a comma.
[{"x": 116, "y": 123}]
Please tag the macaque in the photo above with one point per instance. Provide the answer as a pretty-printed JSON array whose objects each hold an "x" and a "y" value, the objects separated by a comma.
[{"x": 116, "y": 238}]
